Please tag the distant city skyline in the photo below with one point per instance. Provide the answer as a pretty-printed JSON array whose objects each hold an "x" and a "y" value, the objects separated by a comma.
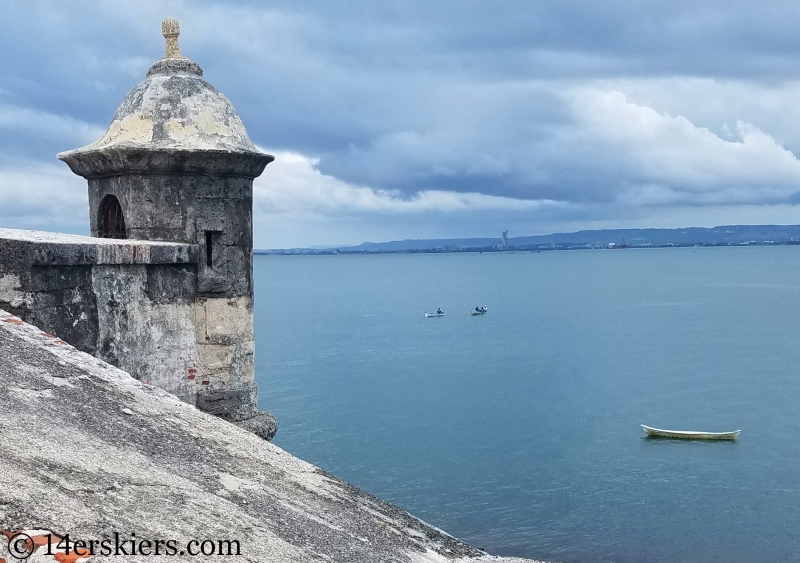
[
  {"x": 721, "y": 235},
  {"x": 433, "y": 119}
]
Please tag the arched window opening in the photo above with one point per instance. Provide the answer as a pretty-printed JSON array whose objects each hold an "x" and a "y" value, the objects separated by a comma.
[{"x": 111, "y": 222}]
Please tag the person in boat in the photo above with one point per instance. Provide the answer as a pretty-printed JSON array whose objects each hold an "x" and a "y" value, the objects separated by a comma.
[{"x": 439, "y": 311}]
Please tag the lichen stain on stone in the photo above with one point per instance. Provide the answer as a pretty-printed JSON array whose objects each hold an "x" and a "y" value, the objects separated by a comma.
[
  {"x": 201, "y": 128},
  {"x": 231, "y": 482},
  {"x": 10, "y": 291},
  {"x": 181, "y": 132},
  {"x": 135, "y": 127},
  {"x": 81, "y": 318},
  {"x": 179, "y": 111},
  {"x": 210, "y": 124}
]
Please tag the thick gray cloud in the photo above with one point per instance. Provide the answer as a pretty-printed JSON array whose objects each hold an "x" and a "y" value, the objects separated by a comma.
[{"x": 541, "y": 115}]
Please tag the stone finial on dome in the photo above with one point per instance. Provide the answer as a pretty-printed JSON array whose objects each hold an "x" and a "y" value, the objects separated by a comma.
[
  {"x": 171, "y": 29},
  {"x": 173, "y": 121}
]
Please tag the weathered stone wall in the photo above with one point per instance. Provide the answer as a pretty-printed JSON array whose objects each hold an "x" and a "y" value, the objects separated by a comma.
[
  {"x": 212, "y": 211},
  {"x": 57, "y": 298},
  {"x": 135, "y": 304},
  {"x": 226, "y": 356},
  {"x": 146, "y": 323},
  {"x": 183, "y": 208},
  {"x": 130, "y": 303}
]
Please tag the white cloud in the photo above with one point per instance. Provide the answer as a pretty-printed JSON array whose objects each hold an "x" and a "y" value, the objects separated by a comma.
[
  {"x": 428, "y": 122},
  {"x": 35, "y": 194},
  {"x": 297, "y": 205},
  {"x": 41, "y": 196},
  {"x": 34, "y": 123},
  {"x": 663, "y": 159},
  {"x": 293, "y": 183}
]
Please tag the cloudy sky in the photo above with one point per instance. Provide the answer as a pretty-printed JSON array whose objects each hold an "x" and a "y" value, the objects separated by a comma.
[{"x": 433, "y": 118}]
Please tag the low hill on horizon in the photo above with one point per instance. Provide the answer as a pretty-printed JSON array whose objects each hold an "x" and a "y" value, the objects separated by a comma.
[{"x": 641, "y": 238}]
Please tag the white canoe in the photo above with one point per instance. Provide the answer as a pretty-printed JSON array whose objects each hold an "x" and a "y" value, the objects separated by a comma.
[
  {"x": 474, "y": 312},
  {"x": 429, "y": 315},
  {"x": 691, "y": 435}
]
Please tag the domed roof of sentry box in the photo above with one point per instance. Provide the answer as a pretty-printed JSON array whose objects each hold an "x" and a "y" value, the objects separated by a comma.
[{"x": 173, "y": 111}]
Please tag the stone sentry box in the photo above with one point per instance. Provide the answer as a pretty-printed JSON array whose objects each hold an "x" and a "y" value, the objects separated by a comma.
[{"x": 176, "y": 166}]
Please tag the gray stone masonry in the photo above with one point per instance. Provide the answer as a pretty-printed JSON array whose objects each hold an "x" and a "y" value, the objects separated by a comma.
[
  {"x": 131, "y": 303},
  {"x": 60, "y": 282}
]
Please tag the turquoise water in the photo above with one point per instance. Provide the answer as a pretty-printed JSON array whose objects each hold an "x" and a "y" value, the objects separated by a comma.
[{"x": 518, "y": 431}]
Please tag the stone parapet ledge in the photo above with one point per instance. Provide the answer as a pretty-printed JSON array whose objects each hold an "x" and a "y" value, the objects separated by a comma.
[{"x": 40, "y": 248}]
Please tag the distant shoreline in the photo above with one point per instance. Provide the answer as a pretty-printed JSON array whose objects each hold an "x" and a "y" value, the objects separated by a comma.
[
  {"x": 511, "y": 249},
  {"x": 616, "y": 239}
]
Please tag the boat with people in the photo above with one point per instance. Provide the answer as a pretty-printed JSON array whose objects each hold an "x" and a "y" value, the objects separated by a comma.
[
  {"x": 480, "y": 310},
  {"x": 690, "y": 434},
  {"x": 438, "y": 313}
]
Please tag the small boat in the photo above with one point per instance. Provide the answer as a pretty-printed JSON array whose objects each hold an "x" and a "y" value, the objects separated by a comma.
[
  {"x": 480, "y": 310},
  {"x": 690, "y": 435},
  {"x": 438, "y": 313}
]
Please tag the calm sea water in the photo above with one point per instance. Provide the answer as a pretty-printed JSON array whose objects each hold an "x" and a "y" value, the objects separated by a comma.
[{"x": 518, "y": 431}]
